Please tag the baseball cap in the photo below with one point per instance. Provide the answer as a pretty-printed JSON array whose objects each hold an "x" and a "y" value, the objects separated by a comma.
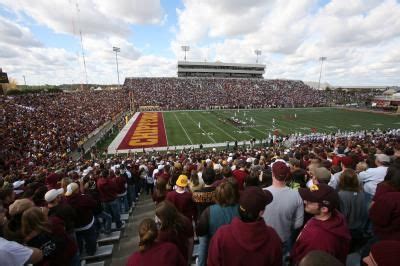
[
  {"x": 18, "y": 183},
  {"x": 322, "y": 174},
  {"x": 320, "y": 193},
  {"x": 71, "y": 188},
  {"x": 182, "y": 181},
  {"x": 254, "y": 199},
  {"x": 382, "y": 158},
  {"x": 52, "y": 194}
]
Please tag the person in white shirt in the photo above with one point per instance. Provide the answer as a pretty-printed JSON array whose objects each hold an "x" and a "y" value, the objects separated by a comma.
[{"x": 371, "y": 177}]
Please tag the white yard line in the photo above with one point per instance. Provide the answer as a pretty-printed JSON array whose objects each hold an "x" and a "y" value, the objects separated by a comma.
[
  {"x": 226, "y": 133},
  {"x": 184, "y": 130},
  {"x": 165, "y": 130},
  {"x": 201, "y": 128}
]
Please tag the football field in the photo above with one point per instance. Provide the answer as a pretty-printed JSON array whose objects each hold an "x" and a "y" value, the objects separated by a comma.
[
  {"x": 217, "y": 127},
  {"x": 195, "y": 127}
]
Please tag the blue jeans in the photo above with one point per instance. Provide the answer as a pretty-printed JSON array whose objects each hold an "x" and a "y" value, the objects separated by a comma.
[
  {"x": 203, "y": 251},
  {"x": 90, "y": 238},
  {"x": 368, "y": 200},
  {"x": 131, "y": 194},
  {"x": 112, "y": 208},
  {"x": 105, "y": 223},
  {"x": 123, "y": 204}
]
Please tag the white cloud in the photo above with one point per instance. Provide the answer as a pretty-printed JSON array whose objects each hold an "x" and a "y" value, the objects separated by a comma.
[
  {"x": 132, "y": 11},
  {"x": 16, "y": 35},
  {"x": 360, "y": 38},
  {"x": 97, "y": 18}
]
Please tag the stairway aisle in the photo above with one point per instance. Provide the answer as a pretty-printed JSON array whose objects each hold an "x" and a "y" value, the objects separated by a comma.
[{"x": 129, "y": 240}]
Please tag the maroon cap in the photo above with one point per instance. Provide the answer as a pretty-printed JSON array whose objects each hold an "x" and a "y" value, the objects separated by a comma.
[
  {"x": 347, "y": 161},
  {"x": 52, "y": 179},
  {"x": 280, "y": 170},
  {"x": 386, "y": 252},
  {"x": 254, "y": 199},
  {"x": 321, "y": 193}
]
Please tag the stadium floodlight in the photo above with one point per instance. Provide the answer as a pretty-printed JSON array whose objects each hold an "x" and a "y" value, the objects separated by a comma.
[
  {"x": 258, "y": 53},
  {"x": 117, "y": 50},
  {"x": 322, "y": 59},
  {"x": 185, "y": 48}
]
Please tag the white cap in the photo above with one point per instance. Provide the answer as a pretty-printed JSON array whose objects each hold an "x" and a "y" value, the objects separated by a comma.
[
  {"x": 208, "y": 161},
  {"x": 249, "y": 160},
  {"x": 382, "y": 158},
  {"x": 52, "y": 194},
  {"x": 217, "y": 166},
  {"x": 229, "y": 159},
  {"x": 160, "y": 167},
  {"x": 18, "y": 183}
]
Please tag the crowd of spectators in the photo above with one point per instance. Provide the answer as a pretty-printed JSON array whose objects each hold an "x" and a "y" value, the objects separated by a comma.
[
  {"x": 202, "y": 93},
  {"x": 267, "y": 205},
  {"x": 39, "y": 130}
]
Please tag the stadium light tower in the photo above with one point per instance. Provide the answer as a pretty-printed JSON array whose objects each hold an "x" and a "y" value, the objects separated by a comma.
[
  {"x": 117, "y": 50},
  {"x": 322, "y": 59},
  {"x": 185, "y": 48},
  {"x": 258, "y": 53}
]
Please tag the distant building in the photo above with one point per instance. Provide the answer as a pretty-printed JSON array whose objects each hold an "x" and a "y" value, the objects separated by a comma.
[{"x": 220, "y": 70}]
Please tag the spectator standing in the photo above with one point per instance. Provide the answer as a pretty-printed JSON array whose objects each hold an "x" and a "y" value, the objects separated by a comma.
[
  {"x": 286, "y": 212},
  {"x": 84, "y": 224},
  {"x": 216, "y": 215},
  {"x": 240, "y": 174},
  {"x": 108, "y": 190},
  {"x": 328, "y": 224},
  {"x": 182, "y": 199},
  {"x": 175, "y": 228},
  {"x": 152, "y": 252},
  {"x": 120, "y": 181},
  {"x": 250, "y": 240},
  {"x": 352, "y": 205},
  {"x": 373, "y": 176}
]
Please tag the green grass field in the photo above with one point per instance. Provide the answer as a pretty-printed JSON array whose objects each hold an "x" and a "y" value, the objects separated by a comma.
[{"x": 182, "y": 126}]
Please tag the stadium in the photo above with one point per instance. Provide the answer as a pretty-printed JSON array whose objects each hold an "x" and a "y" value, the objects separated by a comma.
[{"x": 221, "y": 161}]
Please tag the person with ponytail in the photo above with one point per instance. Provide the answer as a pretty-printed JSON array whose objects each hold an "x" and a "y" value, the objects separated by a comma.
[{"x": 152, "y": 252}]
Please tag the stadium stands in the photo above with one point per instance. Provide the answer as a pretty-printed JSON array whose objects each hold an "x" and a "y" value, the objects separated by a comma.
[{"x": 203, "y": 93}]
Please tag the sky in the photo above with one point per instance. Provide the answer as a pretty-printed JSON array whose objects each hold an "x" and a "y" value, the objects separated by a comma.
[{"x": 40, "y": 39}]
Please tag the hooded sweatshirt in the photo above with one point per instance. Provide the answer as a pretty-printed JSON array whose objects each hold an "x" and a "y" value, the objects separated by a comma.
[
  {"x": 331, "y": 236},
  {"x": 241, "y": 243}
]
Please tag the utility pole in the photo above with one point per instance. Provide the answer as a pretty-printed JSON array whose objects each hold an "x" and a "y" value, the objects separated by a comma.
[
  {"x": 322, "y": 59},
  {"x": 117, "y": 50}
]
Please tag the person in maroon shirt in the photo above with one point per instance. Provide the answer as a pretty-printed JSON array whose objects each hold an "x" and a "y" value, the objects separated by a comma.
[
  {"x": 84, "y": 223},
  {"x": 240, "y": 174},
  {"x": 182, "y": 199},
  {"x": 108, "y": 190},
  {"x": 160, "y": 192},
  {"x": 247, "y": 240},
  {"x": 175, "y": 228},
  {"x": 327, "y": 224},
  {"x": 152, "y": 252}
]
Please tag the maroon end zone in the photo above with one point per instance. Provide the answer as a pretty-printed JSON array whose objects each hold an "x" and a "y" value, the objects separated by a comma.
[{"x": 146, "y": 132}]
